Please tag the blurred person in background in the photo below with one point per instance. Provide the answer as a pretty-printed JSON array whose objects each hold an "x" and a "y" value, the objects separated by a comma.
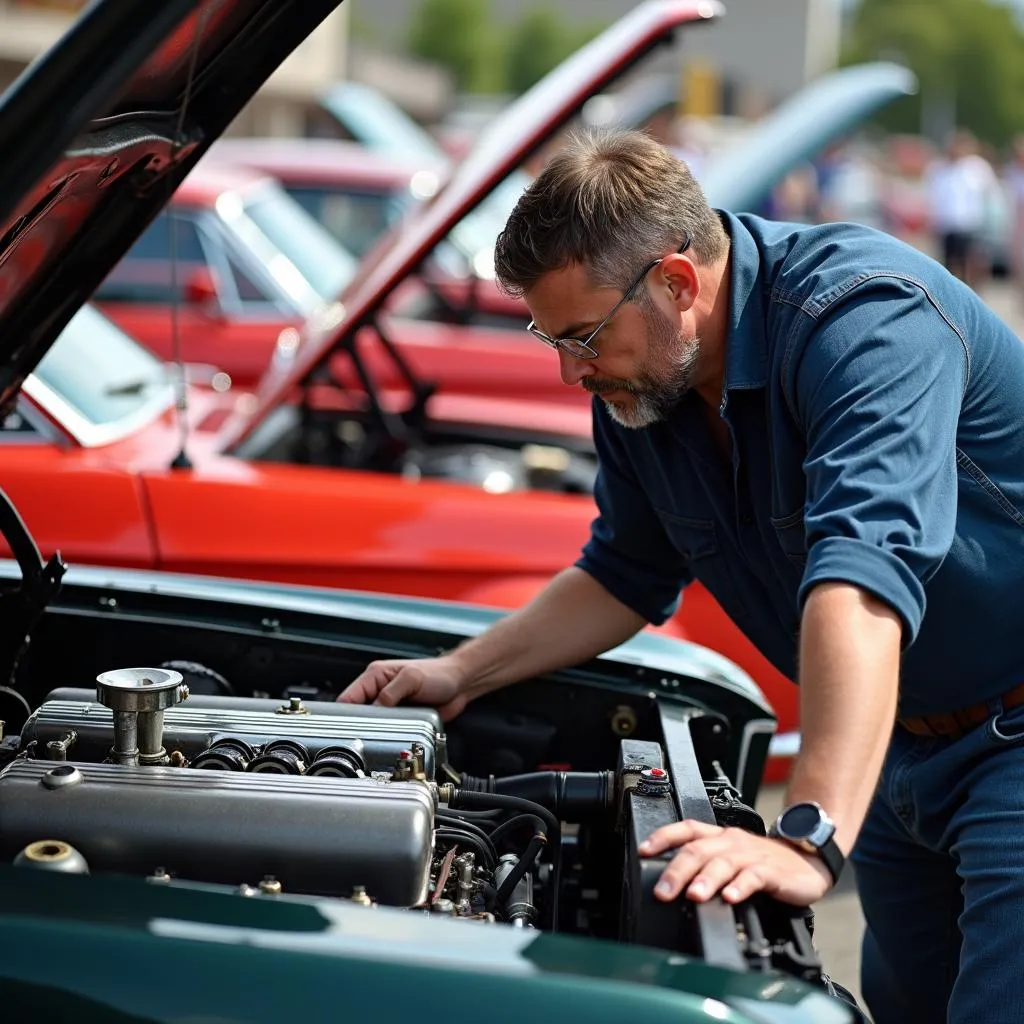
[
  {"x": 850, "y": 186},
  {"x": 905, "y": 161},
  {"x": 822, "y": 425},
  {"x": 960, "y": 187},
  {"x": 795, "y": 197},
  {"x": 1013, "y": 177}
]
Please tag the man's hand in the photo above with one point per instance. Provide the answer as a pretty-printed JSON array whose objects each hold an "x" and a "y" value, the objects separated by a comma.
[
  {"x": 735, "y": 863},
  {"x": 435, "y": 681}
]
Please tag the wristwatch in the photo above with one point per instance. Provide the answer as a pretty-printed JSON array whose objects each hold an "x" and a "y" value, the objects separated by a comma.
[{"x": 810, "y": 829}]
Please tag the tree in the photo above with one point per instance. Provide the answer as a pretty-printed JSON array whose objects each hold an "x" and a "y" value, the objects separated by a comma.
[
  {"x": 968, "y": 56},
  {"x": 457, "y": 34},
  {"x": 539, "y": 42}
]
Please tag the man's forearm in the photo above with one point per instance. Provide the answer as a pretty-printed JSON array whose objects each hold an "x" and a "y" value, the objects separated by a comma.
[
  {"x": 849, "y": 678},
  {"x": 574, "y": 618}
]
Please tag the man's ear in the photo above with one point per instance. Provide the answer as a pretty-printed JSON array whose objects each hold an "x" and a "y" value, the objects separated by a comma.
[{"x": 678, "y": 275}]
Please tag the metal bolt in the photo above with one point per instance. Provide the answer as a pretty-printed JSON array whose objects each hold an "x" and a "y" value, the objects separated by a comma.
[
  {"x": 623, "y": 721},
  {"x": 159, "y": 875},
  {"x": 270, "y": 886},
  {"x": 359, "y": 895},
  {"x": 246, "y": 890}
]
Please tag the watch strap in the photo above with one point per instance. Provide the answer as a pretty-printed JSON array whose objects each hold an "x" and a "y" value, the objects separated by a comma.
[{"x": 833, "y": 857}]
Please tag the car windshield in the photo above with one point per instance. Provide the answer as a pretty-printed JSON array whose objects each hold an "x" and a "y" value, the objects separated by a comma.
[
  {"x": 355, "y": 218},
  {"x": 367, "y": 116},
  {"x": 375, "y": 121},
  {"x": 103, "y": 375},
  {"x": 475, "y": 235},
  {"x": 303, "y": 257}
]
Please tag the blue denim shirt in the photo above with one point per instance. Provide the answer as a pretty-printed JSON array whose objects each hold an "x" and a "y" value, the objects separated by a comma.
[{"x": 876, "y": 411}]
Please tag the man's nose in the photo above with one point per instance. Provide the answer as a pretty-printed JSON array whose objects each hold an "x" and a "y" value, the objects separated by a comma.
[{"x": 573, "y": 370}]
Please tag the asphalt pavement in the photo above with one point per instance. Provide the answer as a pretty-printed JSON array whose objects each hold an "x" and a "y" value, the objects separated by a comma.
[{"x": 839, "y": 923}]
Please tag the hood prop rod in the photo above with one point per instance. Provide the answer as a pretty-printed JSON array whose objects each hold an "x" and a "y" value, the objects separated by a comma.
[
  {"x": 421, "y": 389},
  {"x": 40, "y": 582}
]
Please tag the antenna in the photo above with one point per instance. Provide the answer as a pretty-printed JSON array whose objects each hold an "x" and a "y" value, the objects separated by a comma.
[{"x": 181, "y": 460}]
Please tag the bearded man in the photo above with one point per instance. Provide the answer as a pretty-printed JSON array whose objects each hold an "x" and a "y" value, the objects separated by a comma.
[{"x": 825, "y": 428}]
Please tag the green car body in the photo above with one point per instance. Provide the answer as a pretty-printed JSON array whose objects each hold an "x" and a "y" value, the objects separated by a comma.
[{"x": 116, "y": 948}]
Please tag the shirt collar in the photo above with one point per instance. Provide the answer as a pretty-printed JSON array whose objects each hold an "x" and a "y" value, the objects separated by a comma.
[{"x": 746, "y": 361}]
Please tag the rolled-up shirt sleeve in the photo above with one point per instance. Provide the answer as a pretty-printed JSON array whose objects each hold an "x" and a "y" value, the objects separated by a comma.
[
  {"x": 877, "y": 385},
  {"x": 628, "y": 552}
]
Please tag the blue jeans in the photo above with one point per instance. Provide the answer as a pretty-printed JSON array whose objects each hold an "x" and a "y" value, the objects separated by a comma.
[{"x": 940, "y": 870}]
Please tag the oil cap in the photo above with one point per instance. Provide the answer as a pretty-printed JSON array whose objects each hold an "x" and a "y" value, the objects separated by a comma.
[{"x": 654, "y": 782}]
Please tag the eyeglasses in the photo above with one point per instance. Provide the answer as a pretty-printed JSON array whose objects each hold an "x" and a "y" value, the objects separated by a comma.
[{"x": 582, "y": 348}]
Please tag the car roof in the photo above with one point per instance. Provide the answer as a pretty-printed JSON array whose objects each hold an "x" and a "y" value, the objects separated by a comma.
[
  {"x": 330, "y": 161},
  {"x": 209, "y": 180}
]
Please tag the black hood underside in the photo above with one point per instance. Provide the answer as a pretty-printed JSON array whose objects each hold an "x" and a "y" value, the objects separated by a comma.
[{"x": 99, "y": 132}]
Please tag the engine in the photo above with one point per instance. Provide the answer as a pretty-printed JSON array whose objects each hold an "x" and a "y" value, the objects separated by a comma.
[
  {"x": 312, "y": 797},
  {"x": 328, "y": 800}
]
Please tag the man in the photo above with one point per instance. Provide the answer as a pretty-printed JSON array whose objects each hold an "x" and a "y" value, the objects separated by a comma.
[
  {"x": 961, "y": 189},
  {"x": 824, "y": 427}
]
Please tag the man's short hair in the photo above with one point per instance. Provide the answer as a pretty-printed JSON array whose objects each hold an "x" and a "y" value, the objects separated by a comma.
[{"x": 611, "y": 201}]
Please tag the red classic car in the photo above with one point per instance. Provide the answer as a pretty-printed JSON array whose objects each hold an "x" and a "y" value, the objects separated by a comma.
[
  {"x": 360, "y": 194},
  {"x": 247, "y": 263},
  {"x": 253, "y": 269}
]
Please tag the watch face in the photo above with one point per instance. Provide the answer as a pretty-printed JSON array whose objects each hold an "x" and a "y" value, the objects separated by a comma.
[{"x": 800, "y": 820}]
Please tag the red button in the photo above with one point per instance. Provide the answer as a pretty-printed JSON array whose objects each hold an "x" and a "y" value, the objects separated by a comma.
[{"x": 657, "y": 772}]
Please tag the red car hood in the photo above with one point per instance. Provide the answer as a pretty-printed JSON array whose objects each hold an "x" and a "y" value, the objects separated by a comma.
[{"x": 518, "y": 133}]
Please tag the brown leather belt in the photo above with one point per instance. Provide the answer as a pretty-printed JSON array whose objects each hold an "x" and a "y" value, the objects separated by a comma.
[{"x": 954, "y": 724}]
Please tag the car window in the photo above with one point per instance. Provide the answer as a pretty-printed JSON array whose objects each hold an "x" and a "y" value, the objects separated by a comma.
[
  {"x": 250, "y": 291},
  {"x": 144, "y": 274},
  {"x": 101, "y": 373},
  {"x": 16, "y": 425},
  {"x": 356, "y": 219},
  {"x": 287, "y": 239}
]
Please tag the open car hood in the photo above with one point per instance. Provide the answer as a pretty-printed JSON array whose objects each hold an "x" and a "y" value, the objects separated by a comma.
[
  {"x": 104, "y": 127},
  {"x": 510, "y": 140},
  {"x": 741, "y": 177}
]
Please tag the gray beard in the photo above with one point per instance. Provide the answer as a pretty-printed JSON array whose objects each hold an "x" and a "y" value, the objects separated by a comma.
[{"x": 661, "y": 382}]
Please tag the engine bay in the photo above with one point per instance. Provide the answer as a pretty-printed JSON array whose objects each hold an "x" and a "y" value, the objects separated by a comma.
[{"x": 290, "y": 795}]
